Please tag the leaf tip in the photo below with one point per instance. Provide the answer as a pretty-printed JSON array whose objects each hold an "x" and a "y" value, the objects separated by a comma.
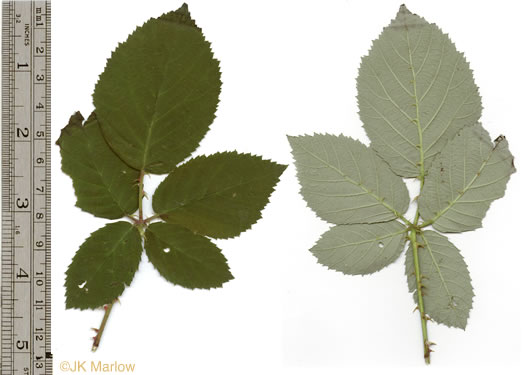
[
  {"x": 294, "y": 139},
  {"x": 403, "y": 8},
  {"x": 403, "y": 11},
  {"x": 181, "y": 16},
  {"x": 501, "y": 141}
]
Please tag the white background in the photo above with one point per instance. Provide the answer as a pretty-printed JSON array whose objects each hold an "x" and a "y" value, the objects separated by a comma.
[{"x": 289, "y": 67}]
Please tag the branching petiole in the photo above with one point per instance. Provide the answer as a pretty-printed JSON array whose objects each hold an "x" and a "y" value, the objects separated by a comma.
[{"x": 141, "y": 224}]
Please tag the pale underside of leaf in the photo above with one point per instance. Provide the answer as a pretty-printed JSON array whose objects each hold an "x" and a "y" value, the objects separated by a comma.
[
  {"x": 415, "y": 91},
  {"x": 360, "y": 249},
  {"x": 220, "y": 195},
  {"x": 105, "y": 186},
  {"x": 103, "y": 266},
  {"x": 464, "y": 179},
  {"x": 158, "y": 93},
  {"x": 345, "y": 182},
  {"x": 447, "y": 288},
  {"x": 185, "y": 258}
]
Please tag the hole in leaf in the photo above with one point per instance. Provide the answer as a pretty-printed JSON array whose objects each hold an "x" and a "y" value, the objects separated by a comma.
[
  {"x": 81, "y": 285},
  {"x": 381, "y": 245},
  {"x": 166, "y": 250}
]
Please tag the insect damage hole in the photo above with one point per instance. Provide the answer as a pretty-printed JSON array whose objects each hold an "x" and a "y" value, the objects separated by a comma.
[
  {"x": 82, "y": 284},
  {"x": 381, "y": 245},
  {"x": 166, "y": 250}
]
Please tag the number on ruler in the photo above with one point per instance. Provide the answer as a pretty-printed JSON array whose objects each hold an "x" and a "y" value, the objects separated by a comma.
[
  {"x": 21, "y": 345},
  {"x": 21, "y": 274},
  {"x": 22, "y": 132},
  {"x": 22, "y": 203}
]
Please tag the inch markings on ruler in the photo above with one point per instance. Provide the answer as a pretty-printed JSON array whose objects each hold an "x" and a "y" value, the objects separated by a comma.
[{"x": 26, "y": 183}]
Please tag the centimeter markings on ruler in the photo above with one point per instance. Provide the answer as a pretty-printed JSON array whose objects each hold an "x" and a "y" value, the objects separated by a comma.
[{"x": 26, "y": 183}]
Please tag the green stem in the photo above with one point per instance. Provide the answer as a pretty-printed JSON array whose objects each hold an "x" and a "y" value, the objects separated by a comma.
[
  {"x": 100, "y": 331},
  {"x": 415, "y": 227},
  {"x": 141, "y": 223},
  {"x": 420, "y": 304},
  {"x": 141, "y": 195}
]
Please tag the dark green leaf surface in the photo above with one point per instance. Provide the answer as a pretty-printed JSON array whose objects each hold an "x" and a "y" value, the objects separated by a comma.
[
  {"x": 447, "y": 292},
  {"x": 465, "y": 179},
  {"x": 415, "y": 92},
  {"x": 220, "y": 195},
  {"x": 104, "y": 185},
  {"x": 361, "y": 249},
  {"x": 185, "y": 258},
  {"x": 103, "y": 266},
  {"x": 158, "y": 94},
  {"x": 345, "y": 182}
]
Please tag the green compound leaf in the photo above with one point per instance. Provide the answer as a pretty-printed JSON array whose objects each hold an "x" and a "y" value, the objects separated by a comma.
[
  {"x": 155, "y": 101},
  {"x": 220, "y": 195},
  {"x": 419, "y": 106},
  {"x": 185, "y": 258},
  {"x": 103, "y": 266},
  {"x": 446, "y": 281},
  {"x": 415, "y": 91},
  {"x": 158, "y": 94},
  {"x": 104, "y": 185},
  {"x": 345, "y": 182},
  {"x": 464, "y": 179},
  {"x": 361, "y": 249}
]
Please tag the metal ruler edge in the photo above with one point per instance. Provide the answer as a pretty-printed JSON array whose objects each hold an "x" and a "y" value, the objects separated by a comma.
[{"x": 21, "y": 354}]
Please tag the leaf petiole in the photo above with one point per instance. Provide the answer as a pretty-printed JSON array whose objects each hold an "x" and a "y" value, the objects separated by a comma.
[
  {"x": 151, "y": 218},
  {"x": 141, "y": 194},
  {"x": 100, "y": 331},
  {"x": 420, "y": 305},
  {"x": 425, "y": 224}
]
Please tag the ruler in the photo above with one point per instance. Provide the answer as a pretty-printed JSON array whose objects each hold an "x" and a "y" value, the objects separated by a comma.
[{"x": 26, "y": 183}]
